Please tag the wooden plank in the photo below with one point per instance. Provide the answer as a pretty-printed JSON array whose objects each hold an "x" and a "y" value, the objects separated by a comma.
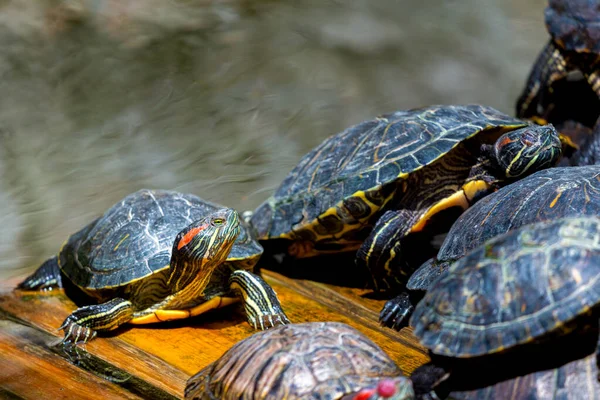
[
  {"x": 26, "y": 363},
  {"x": 165, "y": 355}
]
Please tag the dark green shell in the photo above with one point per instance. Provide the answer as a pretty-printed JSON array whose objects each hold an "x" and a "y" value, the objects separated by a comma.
[
  {"x": 368, "y": 157},
  {"x": 575, "y": 380},
  {"x": 134, "y": 239},
  {"x": 513, "y": 289},
  {"x": 574, "y": 24},
  {"x": 545, "y": 195},
  {"x": 314, "y": 360}
]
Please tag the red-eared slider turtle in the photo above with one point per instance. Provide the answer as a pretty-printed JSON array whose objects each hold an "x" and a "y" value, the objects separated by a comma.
[
  {"x": 575, "y": 380},
  {"x": 531, "y": 285},
  {"x": 158, "y": 256},
  {"x": 314, "y": 360},
  {"x": 546, "y": 195},
  {"x": 370, "y": 186},
  {"x": 574, "y": 46}
]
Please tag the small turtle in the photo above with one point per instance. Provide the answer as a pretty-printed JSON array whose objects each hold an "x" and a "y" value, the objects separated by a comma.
[
  {"x": 372, "y": 185},
  {"x": 546, "y": 195},
  {"x": 155, "y": 256},
  {"x": 574, "y": 48},
  {"x": 575, "y": 380},
  {"x": 527, "y": 287},
  {"x": 313, "y": 360}
]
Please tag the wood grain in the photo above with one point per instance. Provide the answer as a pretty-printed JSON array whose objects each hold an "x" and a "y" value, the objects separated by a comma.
[{"x": 154, "y": 361}]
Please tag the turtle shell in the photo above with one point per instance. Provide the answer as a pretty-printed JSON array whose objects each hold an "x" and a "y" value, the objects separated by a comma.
[
  {"x": 574, "y": 24},
  {"x": 351, "y": 175},
  {"x": 513, "y": 289},
  {"x": 545, "y": 195},
  {"x": 315, "y": 360},
  {"x": 575, "y": 380},
  {"x": 134, "y": 239}
]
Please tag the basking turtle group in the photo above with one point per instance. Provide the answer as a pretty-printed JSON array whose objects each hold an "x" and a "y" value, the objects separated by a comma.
[{"x": 516, "y": 278}]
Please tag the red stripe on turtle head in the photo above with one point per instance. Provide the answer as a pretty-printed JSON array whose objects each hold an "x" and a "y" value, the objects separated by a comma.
[{"x": 190, "y": 235}]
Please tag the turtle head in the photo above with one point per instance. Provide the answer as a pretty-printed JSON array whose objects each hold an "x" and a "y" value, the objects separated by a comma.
[
  {"x": 398, "y": 388},
  {"x": 527, "y": 150},
  {"x": 210, "y": 238}
]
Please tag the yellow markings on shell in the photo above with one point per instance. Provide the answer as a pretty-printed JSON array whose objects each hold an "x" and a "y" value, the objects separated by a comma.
[
  {"x": 121, "y": 241},
  {"x": 332, "y": 211},
  {"x": 461, "y": 199},
  {"x": 553, "y": 203},
  {"x": 171, "y": 315}
]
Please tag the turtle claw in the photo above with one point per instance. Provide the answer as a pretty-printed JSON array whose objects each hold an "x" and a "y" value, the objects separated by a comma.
[
  {"x": 75, "y": 333},
  {"x": 265, "y": 322},
  {"x": 396, "y": 312}
]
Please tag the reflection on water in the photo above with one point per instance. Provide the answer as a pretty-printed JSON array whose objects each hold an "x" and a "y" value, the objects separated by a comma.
[{"x": 221, "y": 99}]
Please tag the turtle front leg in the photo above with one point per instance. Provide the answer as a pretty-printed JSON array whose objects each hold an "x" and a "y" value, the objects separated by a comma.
[
  {"x": 397, "y": 311},
  {"x": 83, "y": 323},
  {"x": 262, "y": 306},
  {"x": 46, "y": 277},
  {"x": 549, "y": 67},
  {"x": 381, "y": 252}
]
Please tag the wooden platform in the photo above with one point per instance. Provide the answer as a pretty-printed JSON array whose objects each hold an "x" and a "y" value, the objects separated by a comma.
[{"x": 154, "y": 361}]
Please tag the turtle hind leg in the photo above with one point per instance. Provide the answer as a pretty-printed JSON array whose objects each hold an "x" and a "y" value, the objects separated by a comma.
[
  {"x": 397, "y": 311},
  {"x": 46, "y": 277},
  {"x": 262, "y": 306},
  {"x": 83, "y": 324}
]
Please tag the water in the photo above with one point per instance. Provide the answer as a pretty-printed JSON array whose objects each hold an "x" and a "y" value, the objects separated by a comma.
[{"x": 220, "y": 99}]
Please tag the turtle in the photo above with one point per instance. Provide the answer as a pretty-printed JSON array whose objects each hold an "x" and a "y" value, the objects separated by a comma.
[
  {"x": 545, "y": 195},
  {"x": 573, "y": 49},
  {"x": 311, "y": 360},
  {"x": 528, "y": 287},
  {"x": 159, "y": 255},
  {"x": 377, "y": 182},
  {"x": 574, "y": 380}
]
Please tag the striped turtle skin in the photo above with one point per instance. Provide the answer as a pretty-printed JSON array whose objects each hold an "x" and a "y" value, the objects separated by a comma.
[
  {"x": 574, "y": 46},
  {"x": 156, "y": 256},
  {"x": 545, "y": 195},
  {"x": 370, "y": 186},
  {"x": 514, "y": 289},
  {"x": 576, "y": 380},
  {"x": 314, "y": 360}
]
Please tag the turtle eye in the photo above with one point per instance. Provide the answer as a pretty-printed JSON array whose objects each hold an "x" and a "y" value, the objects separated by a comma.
[{"x": 218, "y": 221}]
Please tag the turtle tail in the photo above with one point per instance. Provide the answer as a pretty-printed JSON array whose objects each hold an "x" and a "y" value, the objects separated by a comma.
[{"x": 46, "y": 277}]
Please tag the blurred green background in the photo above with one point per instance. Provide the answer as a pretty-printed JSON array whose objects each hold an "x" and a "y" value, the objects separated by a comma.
[{"x": 100, "y": 98}]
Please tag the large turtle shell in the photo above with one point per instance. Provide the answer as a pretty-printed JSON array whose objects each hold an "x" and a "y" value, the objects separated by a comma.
[
  {"x": 545, "y": 195},
  {"x": 134, "y": 239},
  {"x": 574, "y": 24},
  {"x": 368, "y": 157},
  {"x": 315, "y": 360},
  {"x": 513, "y": 289}
]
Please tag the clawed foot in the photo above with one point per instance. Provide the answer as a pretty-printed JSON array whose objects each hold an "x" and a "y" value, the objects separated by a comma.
[
  {"x": 264, "y": 322},
  {"x": 396, "y": 312},
  {"x": 75, "y": 333}
]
